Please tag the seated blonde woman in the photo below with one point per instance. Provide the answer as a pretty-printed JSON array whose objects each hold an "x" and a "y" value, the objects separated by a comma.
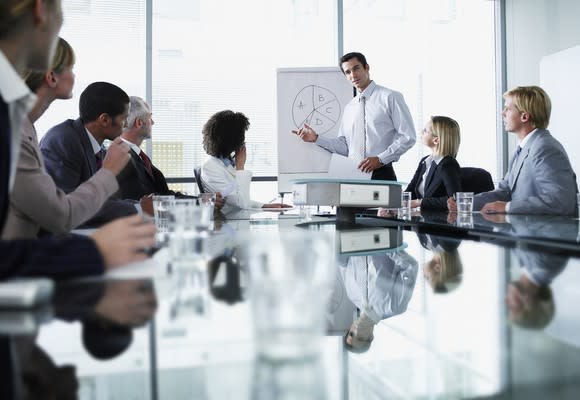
[
  {"x": 438, "y": 175},
  {"x": 224, "y": 136}
]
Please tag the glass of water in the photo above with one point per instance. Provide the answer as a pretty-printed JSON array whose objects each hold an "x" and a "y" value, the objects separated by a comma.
[
  {"x": 464, "y": 202},
  {"x": 161, "y": 207},
  {"x": 406, "y": 202}
]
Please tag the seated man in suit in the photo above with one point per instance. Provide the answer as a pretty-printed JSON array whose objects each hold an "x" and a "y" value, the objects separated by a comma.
[
  {"x": 141, "y": 178},
  {"x": 540, "y": 179},
  {"x": 73, "y": 151}
]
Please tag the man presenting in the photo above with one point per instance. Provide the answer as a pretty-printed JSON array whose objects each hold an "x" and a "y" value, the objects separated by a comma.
[{"x": 376, "y": 127}]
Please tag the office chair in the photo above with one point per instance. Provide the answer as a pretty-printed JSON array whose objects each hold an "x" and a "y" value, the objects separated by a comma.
[
  {"x": 197, "y": 174},
  {"x": 476, "y": 180}
]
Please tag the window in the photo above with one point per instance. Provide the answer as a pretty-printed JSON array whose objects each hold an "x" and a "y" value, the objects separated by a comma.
[
  {"x": 108, "y": 37},
  {"x": 440, "y": 56},
  {"x": 212, "y": 55}
]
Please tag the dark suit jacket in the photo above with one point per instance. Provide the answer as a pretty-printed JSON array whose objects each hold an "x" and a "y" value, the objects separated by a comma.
[
  {"x": 59, "y": 258},
  {"x": 5, "y": 155},
  {"x": 135, "y": 182},
  {"x": 70, "y": 160},
  {"x": 440, "y": 184}
]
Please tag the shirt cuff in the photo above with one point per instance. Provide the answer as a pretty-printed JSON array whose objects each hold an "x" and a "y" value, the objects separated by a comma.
[{"x": 507, "y": 207}]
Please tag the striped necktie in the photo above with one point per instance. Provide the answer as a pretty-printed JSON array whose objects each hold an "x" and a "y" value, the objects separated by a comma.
[{"x": 359, "y": 138}]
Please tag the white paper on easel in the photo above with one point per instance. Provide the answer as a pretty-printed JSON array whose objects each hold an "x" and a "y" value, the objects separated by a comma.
[{"x": 342, "y": 167}]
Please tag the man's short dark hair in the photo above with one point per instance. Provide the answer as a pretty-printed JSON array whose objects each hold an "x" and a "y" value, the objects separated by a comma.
[
  {"x": 224, "y": 133},
  {"x": 102, "y": 98},
  {"x": 349, "y": 56}
]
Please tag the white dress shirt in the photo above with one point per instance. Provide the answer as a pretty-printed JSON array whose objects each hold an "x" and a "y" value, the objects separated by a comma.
[
  {"x": 20, "y": 101},
  {"x": 133, "y": 147},
  {"x": 94, "y": 144},
  {"x": 389, "y": 280},
  {"x": 389, "y": 127}
]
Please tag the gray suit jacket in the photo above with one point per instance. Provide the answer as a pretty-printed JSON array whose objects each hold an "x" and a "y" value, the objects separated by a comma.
[
  {"x": 36, "y": 202},
  {"x": 70, "y": 160},
  {"x": 543, "y": 181}
]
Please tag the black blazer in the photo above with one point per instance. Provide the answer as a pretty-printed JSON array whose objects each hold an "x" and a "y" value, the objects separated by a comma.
[
  {"x": 441, "y": 183},
  {"x": 70, "y": 160},
  {"x": 135, "y": 182}
]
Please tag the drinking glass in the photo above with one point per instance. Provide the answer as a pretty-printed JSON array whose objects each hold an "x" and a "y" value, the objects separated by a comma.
[
  {"x": 406, "y": 202},
  {"x": 161, "y": 206},
  {"x": 464, "y": 202}
]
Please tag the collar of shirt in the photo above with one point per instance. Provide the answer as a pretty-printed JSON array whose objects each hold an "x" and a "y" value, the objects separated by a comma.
[
  {"x": 133, "y": 146},
  {"x": 20, "y": 101},
  {"x": 12, "y": 87},
  {"x": 368, "y": 91},
  {"x": 228, "y": 162},
  {"x": 431, "y": 158},
  {"x": 96, "y": 146},
  {"x": 527, "y": 138},
  {"x": 389, "y": 126}
]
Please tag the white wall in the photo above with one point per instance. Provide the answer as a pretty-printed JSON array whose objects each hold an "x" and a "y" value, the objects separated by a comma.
[{"x": 535, "y": 29}]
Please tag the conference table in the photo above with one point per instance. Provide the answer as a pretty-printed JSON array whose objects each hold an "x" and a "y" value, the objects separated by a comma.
[{"x": 477, "y": 306}]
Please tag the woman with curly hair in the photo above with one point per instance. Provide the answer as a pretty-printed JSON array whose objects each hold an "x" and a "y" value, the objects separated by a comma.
[{"x": 224, "y": 136}]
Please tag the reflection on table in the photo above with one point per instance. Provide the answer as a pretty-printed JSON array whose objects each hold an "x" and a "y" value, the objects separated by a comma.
[{"x": 480, "y": 320}]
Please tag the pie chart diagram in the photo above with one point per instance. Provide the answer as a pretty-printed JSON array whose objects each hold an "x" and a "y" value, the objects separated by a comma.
[{"x": 317, "y": 107}]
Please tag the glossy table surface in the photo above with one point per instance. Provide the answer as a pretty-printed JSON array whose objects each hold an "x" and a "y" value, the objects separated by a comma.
[
  {"x": 463, "y": 316},
  {"x": 550, "y": 231}
]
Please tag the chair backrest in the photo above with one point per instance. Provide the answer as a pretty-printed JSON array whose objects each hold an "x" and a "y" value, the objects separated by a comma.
[
  {"x": 197, "y": 174},
  {"x": 476, "y": 180}
]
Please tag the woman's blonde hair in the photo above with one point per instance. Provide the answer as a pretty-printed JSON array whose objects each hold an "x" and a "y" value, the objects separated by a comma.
[
  {"x": 534, "y": 101},
  {"x": 64, "y": 57},
  {"x": 447, "y": 130},
  {"x": 12, "y": 12}
]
